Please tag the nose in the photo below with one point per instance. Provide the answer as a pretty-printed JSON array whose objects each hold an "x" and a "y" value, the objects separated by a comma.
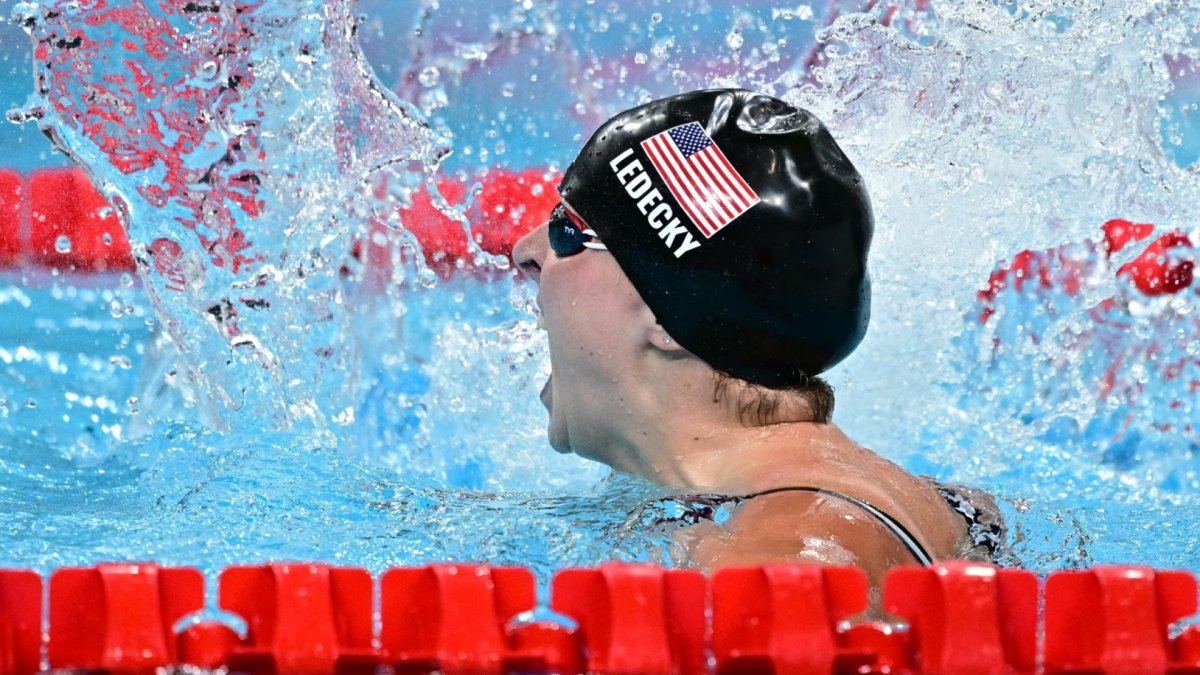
[{"x": 530, "y": 252}]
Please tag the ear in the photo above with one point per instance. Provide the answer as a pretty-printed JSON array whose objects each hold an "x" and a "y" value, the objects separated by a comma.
[{"x": 658, "y": 338}]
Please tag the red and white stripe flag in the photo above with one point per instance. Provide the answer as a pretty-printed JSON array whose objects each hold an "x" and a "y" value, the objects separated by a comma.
[{"x": 710, "y": 190}]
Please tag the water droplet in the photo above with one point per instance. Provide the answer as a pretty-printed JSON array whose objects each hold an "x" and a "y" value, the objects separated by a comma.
[
  {"x": 108, "y": 239},
  {"x": 429, "y": 76},
  {"x": 655, "y": 18},
  {"x": 639, "y": 57},
  {"x": 507, "y": 91},
  {"x": 735, "y": 39},
  {"x": 22, "y": 115},
  {"x": 62, "y": 244}
]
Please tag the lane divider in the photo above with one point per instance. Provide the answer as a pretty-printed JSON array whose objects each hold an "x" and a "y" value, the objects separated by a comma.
[
  {"x": 313, "y": 619},
  {"x": 1162, "y": 267},
  {"x": 55, "y": 218}
]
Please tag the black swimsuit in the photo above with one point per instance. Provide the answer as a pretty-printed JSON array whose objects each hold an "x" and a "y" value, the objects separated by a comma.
[{"x": 984, "y": 531}]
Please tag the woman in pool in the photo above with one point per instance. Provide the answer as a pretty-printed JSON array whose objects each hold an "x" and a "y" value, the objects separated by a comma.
[{"x": 706, "y": 263}]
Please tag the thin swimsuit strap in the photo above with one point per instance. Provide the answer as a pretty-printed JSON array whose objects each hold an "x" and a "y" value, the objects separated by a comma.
[{"x": 910, "y": 542}]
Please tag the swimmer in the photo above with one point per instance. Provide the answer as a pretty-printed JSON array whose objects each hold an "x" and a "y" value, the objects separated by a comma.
[{"x": 706, "y": 263}]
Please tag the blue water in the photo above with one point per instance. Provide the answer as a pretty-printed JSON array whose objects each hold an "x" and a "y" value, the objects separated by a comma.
[
  {"x": 400, "y": 428},
  {"x": 79, "y": 489}
]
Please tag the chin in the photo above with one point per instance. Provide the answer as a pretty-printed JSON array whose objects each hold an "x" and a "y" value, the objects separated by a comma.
[
  {"x": 557, "y": 434},
  {"x": 560, "y": 448}
]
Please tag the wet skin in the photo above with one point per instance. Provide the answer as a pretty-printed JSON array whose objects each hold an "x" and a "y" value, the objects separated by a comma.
[{"x": 625, "y": 394}]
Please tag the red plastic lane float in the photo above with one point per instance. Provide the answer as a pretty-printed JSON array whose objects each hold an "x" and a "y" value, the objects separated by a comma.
[
  {"x": 120, "y": 617},
  {"x": 71, "y": 226},
  {"x": 636, "y": 618},
  {"x": 301, "y": 618},
  {"x": 785, "y": 617},
  {"x": 12, "y": 202},
  {"x": 509, "y": 204},
  {"x": 1115, "y": 620},
  {"x": 459, "y": 619},
  {"x": 20, "y": 622},
  {"x": 54, "y": 218},
  {"x": 311, "y": 619},
  {"x": 1153, "y": 272},
  {"x": 954, "y": 604}
]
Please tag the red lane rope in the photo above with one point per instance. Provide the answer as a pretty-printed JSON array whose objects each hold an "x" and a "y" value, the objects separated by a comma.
[
  {"x": 1154, "y": 272},
  {"x": 55, "y": 218},
  {"x": 954, "y": 617}
]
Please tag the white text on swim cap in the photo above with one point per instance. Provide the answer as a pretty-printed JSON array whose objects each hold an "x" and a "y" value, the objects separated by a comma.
[{"x": 658, "y": 213}]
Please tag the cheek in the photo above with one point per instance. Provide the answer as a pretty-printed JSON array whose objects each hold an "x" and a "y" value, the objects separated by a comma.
[
  {"x": 569, "y": 294},
  {"x": 559, "y": 299},
  {"x": 566, "y": 310},
  {"x": 590, "y": 309}
]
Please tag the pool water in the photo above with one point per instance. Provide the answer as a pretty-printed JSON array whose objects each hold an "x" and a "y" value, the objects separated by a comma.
[
  {"x": 383, "y": 428},
  {"x": 84, "y": 483},
  {"x": 89, "y": 478}
]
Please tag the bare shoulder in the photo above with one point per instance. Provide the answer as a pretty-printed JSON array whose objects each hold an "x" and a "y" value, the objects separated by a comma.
[
  {"x": 835, "y": 462},
  {"x": 797, "y": 527}
]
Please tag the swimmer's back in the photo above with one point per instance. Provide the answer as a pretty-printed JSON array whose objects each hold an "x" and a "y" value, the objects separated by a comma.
[{"x": 810, "y": 494}]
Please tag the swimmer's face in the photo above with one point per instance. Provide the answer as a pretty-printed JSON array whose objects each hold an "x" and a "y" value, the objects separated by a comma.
[{"x": 592, "y": 315}]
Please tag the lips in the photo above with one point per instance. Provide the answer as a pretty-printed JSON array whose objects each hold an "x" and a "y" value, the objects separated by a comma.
[{"x": 547, "y": 394}]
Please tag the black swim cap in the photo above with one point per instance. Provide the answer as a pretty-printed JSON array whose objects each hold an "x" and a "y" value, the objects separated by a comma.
[{"x": 742, "y": 225}]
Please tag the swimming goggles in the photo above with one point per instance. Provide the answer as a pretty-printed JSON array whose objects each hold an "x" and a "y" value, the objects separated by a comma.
[{"x": 568, "y": 236}]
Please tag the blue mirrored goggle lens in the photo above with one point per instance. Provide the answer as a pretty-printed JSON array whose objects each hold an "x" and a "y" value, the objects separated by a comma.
[{"x": 566, "y": 238}]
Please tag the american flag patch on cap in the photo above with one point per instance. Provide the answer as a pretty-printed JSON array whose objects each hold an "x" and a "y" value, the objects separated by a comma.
[{"x": 699, "y": 176}]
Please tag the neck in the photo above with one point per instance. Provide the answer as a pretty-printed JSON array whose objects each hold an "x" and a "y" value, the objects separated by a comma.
[{"x": 678, "y": 435}]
